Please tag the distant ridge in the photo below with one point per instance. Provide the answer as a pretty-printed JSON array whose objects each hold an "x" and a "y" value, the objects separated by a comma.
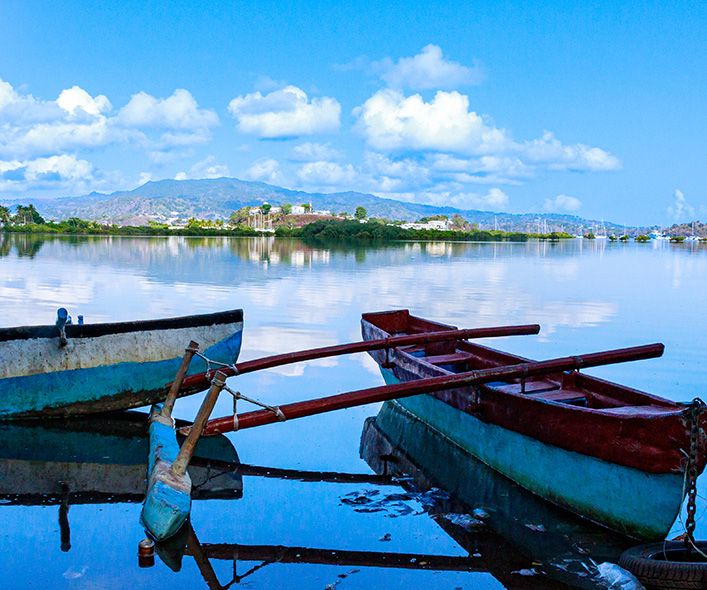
[{"x": 178, "y": 200}]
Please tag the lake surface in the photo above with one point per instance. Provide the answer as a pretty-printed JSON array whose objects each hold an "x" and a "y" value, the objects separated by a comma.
[{"x": 369, "y": 532}]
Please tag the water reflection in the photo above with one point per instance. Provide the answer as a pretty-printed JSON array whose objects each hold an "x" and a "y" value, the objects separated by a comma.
[
  {"x": 484, "y": 511},
  {"x": 97, "y": 460}
]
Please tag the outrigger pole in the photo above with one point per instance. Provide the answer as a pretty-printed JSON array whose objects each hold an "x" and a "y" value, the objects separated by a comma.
[
  {"x": 410, "y": 388},
  {"x": 201, "y": 381}
]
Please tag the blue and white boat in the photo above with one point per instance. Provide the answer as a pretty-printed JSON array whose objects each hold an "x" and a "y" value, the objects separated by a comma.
[{"x": 70, "y": 369}]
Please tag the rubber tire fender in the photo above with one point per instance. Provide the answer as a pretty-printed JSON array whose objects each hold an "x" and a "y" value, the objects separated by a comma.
[{"x": 662, "y": 574}]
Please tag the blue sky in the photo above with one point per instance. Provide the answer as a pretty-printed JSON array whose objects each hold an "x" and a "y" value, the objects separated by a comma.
[{"x": 594, "y": 108}]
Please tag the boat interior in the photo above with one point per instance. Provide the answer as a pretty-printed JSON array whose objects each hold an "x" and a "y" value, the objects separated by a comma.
[{"x": 572, "y": 388}]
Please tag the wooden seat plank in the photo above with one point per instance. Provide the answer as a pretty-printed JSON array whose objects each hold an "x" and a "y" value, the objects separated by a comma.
[{"x": 449, "y": 359}]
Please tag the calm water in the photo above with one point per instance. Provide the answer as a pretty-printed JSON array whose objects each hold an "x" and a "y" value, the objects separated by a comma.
[{"x": 586, "y": 296}]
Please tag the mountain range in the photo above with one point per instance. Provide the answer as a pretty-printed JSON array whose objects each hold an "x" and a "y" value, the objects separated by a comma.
[{"x": 178, "y": 200}]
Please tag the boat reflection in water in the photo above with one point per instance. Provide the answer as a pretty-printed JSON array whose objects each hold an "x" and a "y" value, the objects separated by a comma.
[
  {"x": 486, "y": 513},
  {"x": 523, "y": 541},
  {"x": 96, "y": 460}
]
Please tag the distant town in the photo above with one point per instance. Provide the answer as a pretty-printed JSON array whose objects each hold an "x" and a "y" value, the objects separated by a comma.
[{"x": 303, "y": 220}]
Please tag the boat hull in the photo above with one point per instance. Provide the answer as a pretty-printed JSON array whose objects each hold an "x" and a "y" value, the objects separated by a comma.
[
  {"x": 632, "y": 502},
  {"x": 105, "y": 367},
  {"x": 610, "y": 453}
]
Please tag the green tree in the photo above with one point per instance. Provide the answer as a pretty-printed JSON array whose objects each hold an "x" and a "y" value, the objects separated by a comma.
[
  {"x": 34, "y": 215},
  {"x": 286, "y": 208},
  {"x": 239, "y": 217},
  {"x": 307, "y": 207},
  {"x": 265, "y": 208},
  {"x": 360, "y": 213},
  {"x": 4, "y": 214}
]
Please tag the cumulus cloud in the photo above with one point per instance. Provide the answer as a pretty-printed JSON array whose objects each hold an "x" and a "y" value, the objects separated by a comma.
[
  {"x": 66, "y": 171},
  {"x": 77, "y": 121},
  {"x": 681, "y": 209},
  {"x": 179, "y": 111},
  {"x": 315, "y": 152},
  {"x": 206, "y": 168},
  {"x": 75, "y": 98},
  {"x": 494, "y": 200},
  {"x": 465, "y": 144},
  {"x": 562, "y": 203},
  {"x": 549, "y": 151},
  {"x": 285, "y": 113},
  {"x": 427, "y": 69},
  {"x": 326, "y": 174},
  {"x": 391, "y": 121},
  {"x": 266, "y": 170}
]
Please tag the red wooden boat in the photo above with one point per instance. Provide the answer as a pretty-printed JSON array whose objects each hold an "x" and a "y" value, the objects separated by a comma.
[{"x": 607, "y": 452}]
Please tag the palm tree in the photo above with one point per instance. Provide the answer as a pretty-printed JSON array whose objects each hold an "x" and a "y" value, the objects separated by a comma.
[{"x": 4, "y": 214}]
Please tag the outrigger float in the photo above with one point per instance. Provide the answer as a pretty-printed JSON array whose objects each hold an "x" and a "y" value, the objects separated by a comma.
[{"x": 606, "y": 452}]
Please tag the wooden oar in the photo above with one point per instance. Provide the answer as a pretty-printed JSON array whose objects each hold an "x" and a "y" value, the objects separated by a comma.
[
  {"x": 200, "y": 381},
  {"x": 407, "y": 389}
]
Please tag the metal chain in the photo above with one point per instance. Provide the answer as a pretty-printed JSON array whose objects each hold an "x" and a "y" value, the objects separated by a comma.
[{"x": 697, "y": 407}]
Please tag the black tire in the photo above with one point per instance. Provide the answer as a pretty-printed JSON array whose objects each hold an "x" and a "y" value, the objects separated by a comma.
[{"x": 650, "y": 566}]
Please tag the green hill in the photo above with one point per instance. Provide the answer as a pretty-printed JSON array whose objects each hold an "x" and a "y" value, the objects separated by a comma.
[{"x": 178, "y": 200}]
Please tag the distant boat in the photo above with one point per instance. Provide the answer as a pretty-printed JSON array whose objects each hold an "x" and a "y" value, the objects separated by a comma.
[
  {"x": 70, "y": 369},
  {"x": 602, "y": 235},
  {"x": 658, "y": 235},
  {"x": 607, "y": 452}
]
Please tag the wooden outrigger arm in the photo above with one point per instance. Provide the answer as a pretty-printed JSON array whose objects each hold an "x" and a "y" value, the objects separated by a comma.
[
  {"x": 201, "y": 381},
  {"x": 407, "y": 389}
]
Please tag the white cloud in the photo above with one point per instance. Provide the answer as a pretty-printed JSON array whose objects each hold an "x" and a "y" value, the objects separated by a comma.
[
  {"x": 77, "y": 121},
  {"x": 681, "y": 209},
  {"x": 494, "y": 200},
  {"x": 77, "y": 98},
  {"x": 179, "y": 111},
  {"x": 315, "y": 152},
  {"x": 579, "y": 157},
  {"x": 427, "y": 69},
  {"x": 464, "y": 146},
  {"x": 65, "y": 171},
  {"x": 206, "y": 168},
  {"x": 562, "y": 203},
  {"x": 285, "y": 113},
  {"x": 326, "y": 174},
  {"x": 266, "y": 170},
  {"x": 390, "y": 121}
]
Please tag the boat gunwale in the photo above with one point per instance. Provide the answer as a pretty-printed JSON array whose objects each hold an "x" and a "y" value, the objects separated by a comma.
[
  {"x": 662, "y": 436},
  {"x": 591, "y": 383},
  {"x": 103, "y": 329}
]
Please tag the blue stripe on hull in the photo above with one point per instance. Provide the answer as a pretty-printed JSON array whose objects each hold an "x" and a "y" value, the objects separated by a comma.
[
  {"x": 635, "y": 503},
  {"x": 35, "y": 393}
]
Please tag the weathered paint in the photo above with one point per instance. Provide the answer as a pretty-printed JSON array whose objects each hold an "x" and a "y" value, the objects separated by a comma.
[
  {"x": 611, "y": 422},
  {"x": 117, "y": 384},
  {"x": 566, "y": 547},
  {"x": 168, "y": 499},
  {"x": 635, "y": 503}
]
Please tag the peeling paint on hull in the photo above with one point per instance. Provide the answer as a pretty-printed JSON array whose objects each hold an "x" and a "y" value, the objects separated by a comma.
[{"x": 107, "y": 372}]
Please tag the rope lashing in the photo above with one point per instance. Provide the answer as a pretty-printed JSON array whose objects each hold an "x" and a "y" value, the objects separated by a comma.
[
  {"x": 210, "y": 362},
  {"x": 238, "y": 395}
]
